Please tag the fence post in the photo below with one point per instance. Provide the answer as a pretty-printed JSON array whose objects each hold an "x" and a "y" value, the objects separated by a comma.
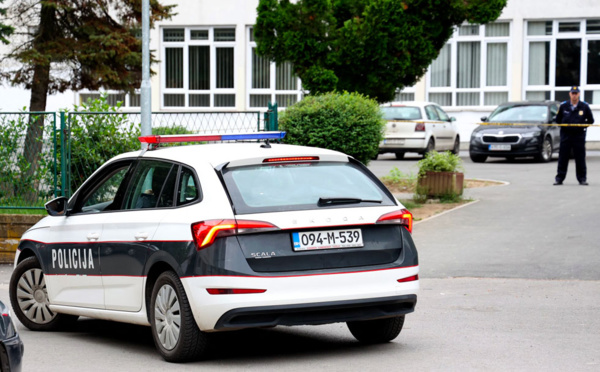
[
  {"x": 272, "y": 123},
  {"x": 55, "y": 168},
  {"x": 63, "y": 155}
]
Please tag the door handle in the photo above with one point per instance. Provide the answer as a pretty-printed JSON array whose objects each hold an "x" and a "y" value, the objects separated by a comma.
[
  {"x": 141, "y": 236},
  {"x": 93, "y": 236}
]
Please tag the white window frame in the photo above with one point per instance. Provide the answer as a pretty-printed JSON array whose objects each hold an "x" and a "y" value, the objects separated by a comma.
[
  {"x": 126, "y": 102},
  {"x": 272, "y": 91},
  {"x": 552, "y": 39},
  {"x": 214, "y": 45},
  {"x": 484, "y": 87}
]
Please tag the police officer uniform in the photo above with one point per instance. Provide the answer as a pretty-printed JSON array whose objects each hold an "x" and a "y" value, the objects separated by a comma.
[{"x": 573, "y": 138}]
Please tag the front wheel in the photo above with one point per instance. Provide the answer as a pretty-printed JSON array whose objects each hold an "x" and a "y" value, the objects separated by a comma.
[
  {"x": 430, "y": 147},
  {"x": 29, "y": 298},
  {"x": 545, "y": 154},
  {"x": 376, "y": 331},
  {"x": 175, "y": 332},
  {"x": 456, "y": 148}
]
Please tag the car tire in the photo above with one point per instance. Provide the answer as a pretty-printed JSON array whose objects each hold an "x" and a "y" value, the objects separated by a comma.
[
  {"x": 399, "y": 155},
  {"x": 478, "y": 158},
  {"x": 430, "y": 147},
  {"x": 456, "y": 148},
  {"x": 174, "y": 330},
  {"x": 376, "y": 331},
  {"x": 29, "y": 298},
  {"x": 545, "y": 154}
]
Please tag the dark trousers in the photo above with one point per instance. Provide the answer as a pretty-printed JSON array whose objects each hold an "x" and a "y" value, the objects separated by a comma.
[{"x": 576, "y": 143}]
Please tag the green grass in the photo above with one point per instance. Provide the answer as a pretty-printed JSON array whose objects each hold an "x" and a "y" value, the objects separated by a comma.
[
  {"x": 23, "y": 211},
  {"x": 400, "y": 180},
  {"x": 410, "y": 204}
]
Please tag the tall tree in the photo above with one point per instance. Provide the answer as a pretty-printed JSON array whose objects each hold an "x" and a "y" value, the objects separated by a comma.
[
  {"x": 369, "y": 46},
  {"x": 5, "y": 30},
  {"x": 74, "y": 44}
]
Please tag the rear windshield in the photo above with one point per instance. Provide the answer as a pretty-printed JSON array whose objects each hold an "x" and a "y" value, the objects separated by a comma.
[
  {"x": 302, "y": 186},
  {"x": 508, "y": 114},
  {"x": 401, "y": 113}
]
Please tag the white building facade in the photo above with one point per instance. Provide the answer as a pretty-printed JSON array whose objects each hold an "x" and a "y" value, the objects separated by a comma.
[{"x": 536, "y": 50}]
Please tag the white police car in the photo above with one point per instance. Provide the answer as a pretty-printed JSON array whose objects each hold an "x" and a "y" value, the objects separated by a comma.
[{"x": 203, "y": 238}]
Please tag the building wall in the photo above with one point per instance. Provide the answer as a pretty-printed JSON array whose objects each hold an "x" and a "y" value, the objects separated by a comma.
[{"x": 242, "y": 13}]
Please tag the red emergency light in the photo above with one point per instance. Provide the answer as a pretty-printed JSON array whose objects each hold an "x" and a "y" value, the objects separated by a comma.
[{"x": 156, "y": 139}]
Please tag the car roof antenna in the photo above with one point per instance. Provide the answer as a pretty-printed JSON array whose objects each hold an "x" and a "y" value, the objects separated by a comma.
[{"x": 266, "y": 145}]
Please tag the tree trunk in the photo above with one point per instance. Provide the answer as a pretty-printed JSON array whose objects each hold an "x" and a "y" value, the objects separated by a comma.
[{"x": 32, "y": 148}]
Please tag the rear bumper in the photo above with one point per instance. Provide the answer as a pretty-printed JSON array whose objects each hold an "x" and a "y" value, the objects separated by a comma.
[
  {"x": 319, "y": 313},
  {"x": 308, "y": 299},
  {"x": 409, "y": 145}
]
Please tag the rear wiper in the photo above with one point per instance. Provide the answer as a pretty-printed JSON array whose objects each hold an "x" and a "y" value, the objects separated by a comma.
[{"x": 331, "y": 201}]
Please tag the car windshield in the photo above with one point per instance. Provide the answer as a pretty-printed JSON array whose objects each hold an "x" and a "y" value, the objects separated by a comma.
[
  {"x": 401, "y": 113},
  {"x": 509, "y": 114},
  {"x": 301, "y": 186}
]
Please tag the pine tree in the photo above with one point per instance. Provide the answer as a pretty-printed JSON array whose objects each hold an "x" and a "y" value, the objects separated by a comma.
[
  {"x": 368, "y": 46},
  {"x": 5, "y": 30},
  {"x": 74, "y": 45}
]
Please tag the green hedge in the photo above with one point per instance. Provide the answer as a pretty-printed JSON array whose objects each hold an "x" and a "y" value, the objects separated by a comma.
[{"x": 346, "y": 122}]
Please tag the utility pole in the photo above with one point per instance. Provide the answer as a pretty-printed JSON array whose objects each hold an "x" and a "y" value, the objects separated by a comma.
[{"x": 146, "y": 89}]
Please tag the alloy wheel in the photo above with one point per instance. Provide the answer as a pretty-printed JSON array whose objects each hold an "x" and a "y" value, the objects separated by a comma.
[
  {"x": 33, "y": 297},
  {"x": 547, "y": 149},
  {"x": 167, "y": 317}
]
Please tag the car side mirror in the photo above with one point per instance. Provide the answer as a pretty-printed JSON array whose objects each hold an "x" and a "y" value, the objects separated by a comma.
[
  {"x": 554, "y": 119},
  {"x": 452, "y": 118},
  {"x": 484, "y": 118},
  {"x": 57, "y": 207}
]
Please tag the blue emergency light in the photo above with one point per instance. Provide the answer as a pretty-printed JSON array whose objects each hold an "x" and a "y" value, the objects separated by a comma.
[{"x": 156, "y": 139}]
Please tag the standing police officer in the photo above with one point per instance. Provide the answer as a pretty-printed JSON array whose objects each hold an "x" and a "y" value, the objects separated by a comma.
[{"x": 573, "y": 111}]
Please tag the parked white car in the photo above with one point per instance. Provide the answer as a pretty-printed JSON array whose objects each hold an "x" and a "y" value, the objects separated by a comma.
[
  {"x": 418, "y": 127},
  {"x": 205, "y": 238}
]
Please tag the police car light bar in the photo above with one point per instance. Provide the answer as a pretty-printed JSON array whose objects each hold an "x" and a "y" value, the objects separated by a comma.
[{"x": 156, "y": 139}]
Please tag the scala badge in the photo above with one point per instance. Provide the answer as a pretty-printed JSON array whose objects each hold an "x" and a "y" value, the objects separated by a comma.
[{"x": 262, "y": 254}]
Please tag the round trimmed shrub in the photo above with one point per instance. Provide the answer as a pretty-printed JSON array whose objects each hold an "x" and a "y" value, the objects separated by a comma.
[{"x": 346, "y": 122}]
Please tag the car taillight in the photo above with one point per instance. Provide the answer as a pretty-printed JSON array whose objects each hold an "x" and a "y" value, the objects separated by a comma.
[
  {"x": 205, "y": 232},
  {"x": 402, "y": 217},
  {"x": 420, "y": 127}
]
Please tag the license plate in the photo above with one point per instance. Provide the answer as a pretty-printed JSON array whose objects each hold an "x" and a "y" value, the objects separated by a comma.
[
  {"x": 500, "y": 147},
  {"x": 394, "y": 141},
  {"x": 330, "y": 239}
]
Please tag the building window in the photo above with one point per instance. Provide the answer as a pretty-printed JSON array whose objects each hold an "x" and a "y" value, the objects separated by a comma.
[
  {"x": 472, "y": 68},
  {"x": 270, "y": 82},
  {"x": 113, "y": 98},
  {"x": 198, "y": 67},
  {"x": 405, "y": 95},
  {"x": 561, "y": 54}
]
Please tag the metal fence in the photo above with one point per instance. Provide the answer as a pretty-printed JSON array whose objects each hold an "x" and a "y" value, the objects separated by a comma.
[
  {"x": 28, "y": 159},
  {"x": 69, "y": 146}
]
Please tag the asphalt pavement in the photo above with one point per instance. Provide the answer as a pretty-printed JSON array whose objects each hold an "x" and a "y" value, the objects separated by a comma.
[
  {"x": 510, "y": 282},
  {"x": 528, "y": 228}
]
